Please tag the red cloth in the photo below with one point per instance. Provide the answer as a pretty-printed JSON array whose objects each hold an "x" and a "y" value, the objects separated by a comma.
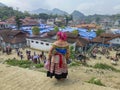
[{"x": 60, "y": 61}]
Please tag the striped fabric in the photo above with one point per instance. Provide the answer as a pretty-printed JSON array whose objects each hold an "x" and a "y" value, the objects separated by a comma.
[{"x": 56, "y": 70}]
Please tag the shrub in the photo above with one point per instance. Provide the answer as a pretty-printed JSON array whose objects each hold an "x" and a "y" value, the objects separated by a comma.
[
  {"x": 99, "y": 31},
  {"x": 104, "y": 66},
  {"x": 75, "y": 32},
  {"x": 23, "y": 63},
  {"x": 95, "y": 81},
  {"x": 12, "y": 62},
  {"x": 39, "y": 65},
  {"x": 56, "y": 28},
  {"x": 72, "y": 52},
  {"x": 20, "y": 63},
  {"x": 35, "y": 30}
]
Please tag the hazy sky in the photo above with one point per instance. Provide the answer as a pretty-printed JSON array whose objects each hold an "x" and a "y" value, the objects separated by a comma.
[{"x": 88, "y": 7}]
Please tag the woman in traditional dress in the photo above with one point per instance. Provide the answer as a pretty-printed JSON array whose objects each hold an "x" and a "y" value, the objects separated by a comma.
[{"x": 58, "y": 56}]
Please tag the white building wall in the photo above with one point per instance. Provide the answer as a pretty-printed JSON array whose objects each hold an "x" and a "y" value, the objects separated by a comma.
[
  {"x": 38, "y": 44},
  {"x": 41, "y": 45},
  {"x": 115, "y": 41}
]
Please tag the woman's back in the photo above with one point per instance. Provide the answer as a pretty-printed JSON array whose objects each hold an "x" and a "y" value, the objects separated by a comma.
[
  {"x": 61, "y": 43},
  {"x": 61, "y": 47},
  {"x": 58, "y": 56}
]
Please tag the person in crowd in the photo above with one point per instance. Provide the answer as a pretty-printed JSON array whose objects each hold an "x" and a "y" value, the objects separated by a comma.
[
  {"x": 38, "y": 58},
  {"x": 35, "y": 57},
  {"x": 21, "y": 55}
]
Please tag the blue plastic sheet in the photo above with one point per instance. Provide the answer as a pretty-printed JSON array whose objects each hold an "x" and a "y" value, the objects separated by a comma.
[
  {"x": 43, "y": 28},
  {"x": 84, "y": 33},
  {"x": 117, "y": 32}
]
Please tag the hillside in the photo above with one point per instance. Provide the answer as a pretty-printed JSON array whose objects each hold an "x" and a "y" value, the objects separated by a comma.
[
  {"x": 7, "y": 12},
  {"x": 2, "y": 5},
  {"x": 14, "y": 78},
  {"x": 78, "y": 17}
]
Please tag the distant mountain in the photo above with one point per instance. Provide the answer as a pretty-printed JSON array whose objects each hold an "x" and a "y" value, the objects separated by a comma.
[
  {"x": 2, "y": 5},
  {"x": 53, "y": 12},
  {"x": 77, "y": 15},
  {"x": 41, "y": 10},
  {"x": 59, "y": 12}
]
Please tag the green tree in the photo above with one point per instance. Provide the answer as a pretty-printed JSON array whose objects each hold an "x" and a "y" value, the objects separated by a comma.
[
  {"x": 35, "y": 16},
  {"x": 56, "y": 28},
  {"x": 26, "y": 14},
  {"x": 72, "y": 52},
  {"x": 63, "y": 27},
  {"x": 36, "y": 30},
  {"x": 97, "y": 19},
  {"x": 43, "y": 16},
  {"x": 6, "y": 12},
  {"x": 18, "y": 22},
  {"x": 75, "y": 32},
  {"x": 4, "y": 17},
  {"x": 99, "y": 31}
]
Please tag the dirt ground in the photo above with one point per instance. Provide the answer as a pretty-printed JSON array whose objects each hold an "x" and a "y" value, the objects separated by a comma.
[{"x": 15, "y": 78}]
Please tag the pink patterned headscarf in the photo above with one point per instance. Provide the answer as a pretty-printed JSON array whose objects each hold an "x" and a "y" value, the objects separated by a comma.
[{"x": 62, "y": 35}]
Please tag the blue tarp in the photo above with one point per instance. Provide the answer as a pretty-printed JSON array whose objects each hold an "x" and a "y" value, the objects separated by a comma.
[
  {"x": 28, "y": 31},
  {"x": 86, "y": 34},
  {"x": 117, "y": 32},
  {"x": 43, "y": 28},
  {"x": 41, "y": 31},
  {"x": 82, "y": 32},
  {"x": 68, "y": 29}
]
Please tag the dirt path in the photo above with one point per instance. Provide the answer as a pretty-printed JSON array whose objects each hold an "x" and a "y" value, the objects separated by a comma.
[{"x": 15, "y": 78}]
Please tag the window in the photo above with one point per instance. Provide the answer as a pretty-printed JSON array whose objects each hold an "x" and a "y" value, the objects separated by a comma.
[
  {"x": 32, "y": 41},
  {"x": 42, "y": 43},
  {"x": 117, "y": 40},
  {"x": 37, "y": 42},
  {"x": 47, "y": 44}
]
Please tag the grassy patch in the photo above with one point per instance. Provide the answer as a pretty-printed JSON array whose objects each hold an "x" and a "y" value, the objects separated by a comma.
[
  {"x": 23, "y": 63},
  {"x": 105, "y": 66},
  {"x": 78, "y": 63},
  {"x": 95, "y": 81},
  {"x": 20, "y": 63},
  {"x": 39, "y": 65},
  {"x": 74, "y": 64}
]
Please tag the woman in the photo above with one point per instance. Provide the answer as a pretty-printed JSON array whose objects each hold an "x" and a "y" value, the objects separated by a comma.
[{"x": 58, "y": 56}]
